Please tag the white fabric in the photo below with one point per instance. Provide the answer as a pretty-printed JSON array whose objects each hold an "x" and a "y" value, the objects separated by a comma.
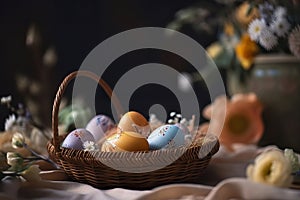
[
  {"x": 223, "y": 179},
  {"x": 233, "y": 188}
]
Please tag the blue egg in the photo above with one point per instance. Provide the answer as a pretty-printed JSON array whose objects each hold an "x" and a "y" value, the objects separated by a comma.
[
  {"x": 76, "y": 138},
  {"x": 99, "y": 125},
  {"x": 162, "y": 136},
  {"x": 177, "y": 141}
]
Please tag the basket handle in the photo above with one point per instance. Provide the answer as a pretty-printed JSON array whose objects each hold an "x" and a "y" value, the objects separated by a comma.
[{"x": 60, "y": 92}]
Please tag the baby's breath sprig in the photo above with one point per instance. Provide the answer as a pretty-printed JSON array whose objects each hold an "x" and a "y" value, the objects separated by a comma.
[
  {"x": 18, "y": 141},
  {"x": 20, "y": 117}
]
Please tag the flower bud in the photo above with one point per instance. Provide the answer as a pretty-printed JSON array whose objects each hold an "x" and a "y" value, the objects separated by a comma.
[
  {"x": 14, "y": 159},
  {"x": 32, "y": 174},
  {"x": 18, "y": 140}
]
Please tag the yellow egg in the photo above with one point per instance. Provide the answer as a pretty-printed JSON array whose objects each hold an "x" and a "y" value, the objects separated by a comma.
[{"x": 134, "y": 122}]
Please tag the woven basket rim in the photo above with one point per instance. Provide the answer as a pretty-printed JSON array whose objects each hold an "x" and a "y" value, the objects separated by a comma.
[
  {"x": 208, "y": 140},
  {"x": 207, "y": 149}
]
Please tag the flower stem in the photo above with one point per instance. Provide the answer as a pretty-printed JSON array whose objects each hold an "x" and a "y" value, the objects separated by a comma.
[{"x": 47, "y": 159}]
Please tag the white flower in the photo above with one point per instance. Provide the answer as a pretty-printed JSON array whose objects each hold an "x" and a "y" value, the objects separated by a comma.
[
  {"x": 32, "y": 174},
  {"x": 89, "y": 146},
  {"x": 184, "y": 121},
  {"x": 5, "y": 100},
  {"x": 294, "y": 41},
  {"x": 17, "y": 140},
  {"x": 271, "y": 168},
  {"x": 255, "y": 29},
  {"x": 280, "y": 13},
  {"x": 172, "y": 114},
  {"x": 9, "y": 122},
  {"x": 268, "y": 40},
  {"x": 280, "y": 27},
  {"x": 14, "y": 160}
]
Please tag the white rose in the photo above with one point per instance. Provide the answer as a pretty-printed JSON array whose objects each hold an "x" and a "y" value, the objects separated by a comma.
[{"x": 272, "y": 168}]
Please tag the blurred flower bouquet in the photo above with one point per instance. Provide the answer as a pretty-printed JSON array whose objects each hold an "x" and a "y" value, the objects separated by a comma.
[
  {"x": 246, "y": 28},
  {"x": 17, "y": 165},
  {"x": 22, "y": 145},
  {"x": 257, "y": 45}
]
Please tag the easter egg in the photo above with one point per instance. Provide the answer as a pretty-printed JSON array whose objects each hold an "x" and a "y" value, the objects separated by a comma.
[
  {"x": 76, "y": 138},
  {"x": 99, "y": 125},
  {"x": 126, "y": 141},
  {"x": 177, "y": 141},
  {"x": 162, "y": 136},
  {"x": 109, "y": 144},
  {"x": 132, "y": 141},
  {"x": 134, "y": 122}
]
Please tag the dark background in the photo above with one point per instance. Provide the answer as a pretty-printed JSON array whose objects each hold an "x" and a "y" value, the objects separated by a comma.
[{"x": 74, "y": 28}]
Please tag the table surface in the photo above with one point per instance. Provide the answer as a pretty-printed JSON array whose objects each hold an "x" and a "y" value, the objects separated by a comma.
[{"x": 224, "y": 178}]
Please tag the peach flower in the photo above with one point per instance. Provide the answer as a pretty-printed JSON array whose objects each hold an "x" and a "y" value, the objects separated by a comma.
[{"x": 243, "y": 120}]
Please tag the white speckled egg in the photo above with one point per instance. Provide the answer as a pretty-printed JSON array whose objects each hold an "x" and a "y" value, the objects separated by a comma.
[
  {"x": 99, "y": 125},
  {"x": 162, "y": 136},
  {"x": 76, "y": 138}
]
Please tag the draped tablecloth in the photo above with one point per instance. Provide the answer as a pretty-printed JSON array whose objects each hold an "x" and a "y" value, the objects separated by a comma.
[{"x": 224, "y": 178}]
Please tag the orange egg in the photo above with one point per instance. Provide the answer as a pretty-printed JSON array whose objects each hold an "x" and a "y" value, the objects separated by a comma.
[
  {"x": 125, "y": 141},
  {"x": 132, "y": 141},
  {"x": 109, "y": 144},
  {"x": 134, "y": 122}
]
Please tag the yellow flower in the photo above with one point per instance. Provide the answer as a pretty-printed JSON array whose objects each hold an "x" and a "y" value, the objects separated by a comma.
[
  {"x": 214, "y": 50},
  {"x": 246, "y": 50},
  {"x": 242, "y": 15},
  {"x": 229, "y": 29}
]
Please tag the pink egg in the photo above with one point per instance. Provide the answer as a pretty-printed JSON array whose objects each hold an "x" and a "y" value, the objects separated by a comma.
[
  {"x": 98, "y": 125},
  {"x": 76, "y": 138}
]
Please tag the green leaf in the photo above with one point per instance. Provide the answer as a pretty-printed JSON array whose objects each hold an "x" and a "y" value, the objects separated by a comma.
[{"x": 251, "y": 6}]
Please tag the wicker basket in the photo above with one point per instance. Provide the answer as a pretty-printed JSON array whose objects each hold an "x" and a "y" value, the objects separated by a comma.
[{"x": 95, "y": 168}]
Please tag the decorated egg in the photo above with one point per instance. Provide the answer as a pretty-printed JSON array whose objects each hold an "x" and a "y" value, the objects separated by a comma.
[
  {"x": 126, "y": 141},
  {"x": 162, "y": 136},
  {"x": 76, "y": 138},
  {"x": 177, "y": 141},
  {"x": 99, "y": 125},
  {"x": 109, "y": 144},
  {"x": 133, "y": 121}
]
